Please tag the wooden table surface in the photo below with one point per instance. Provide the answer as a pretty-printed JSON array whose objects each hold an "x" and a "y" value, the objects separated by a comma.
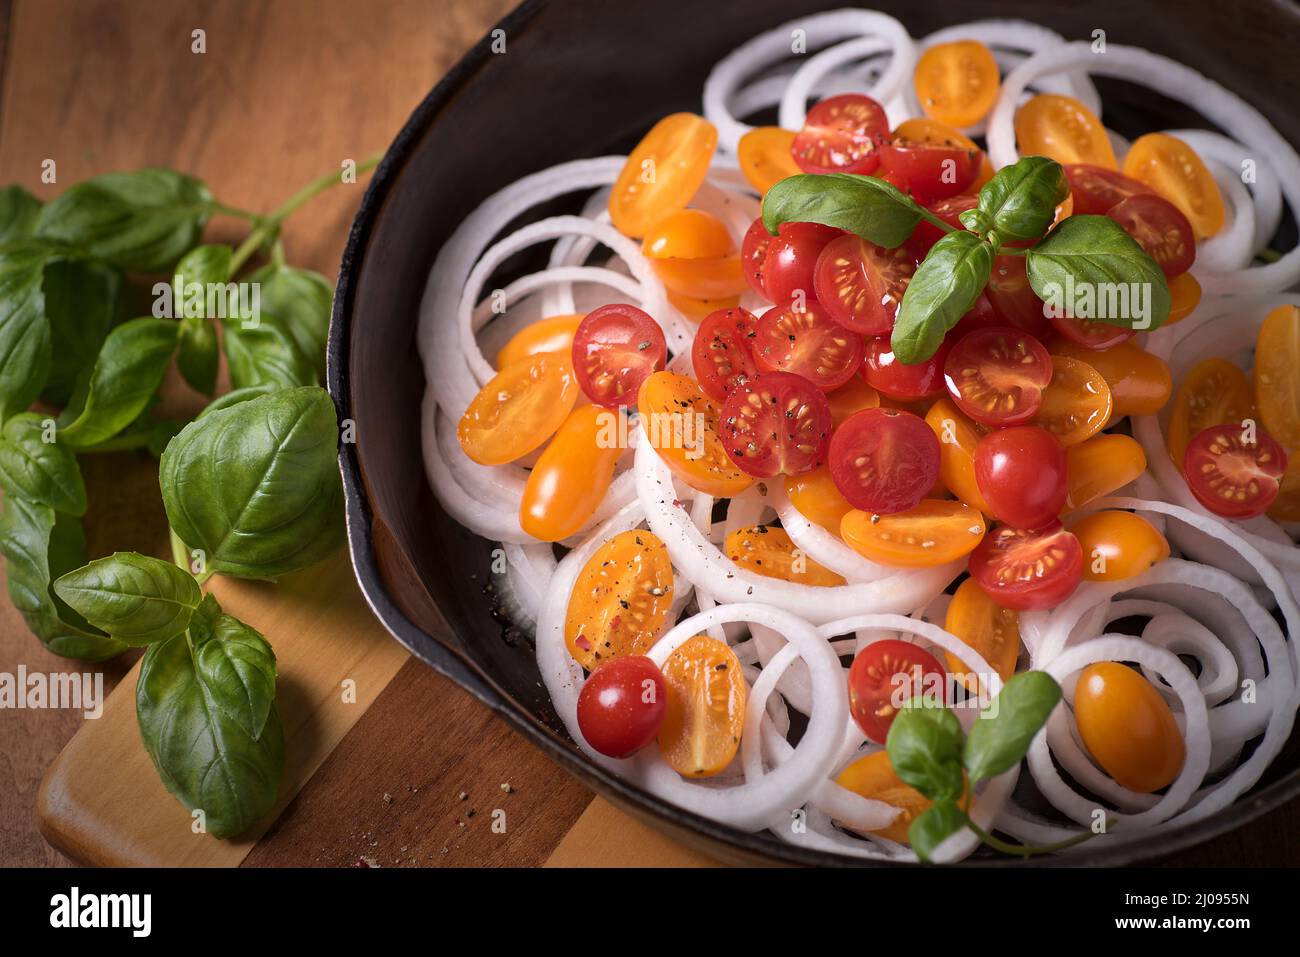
[{"x": 286, "y": 91}]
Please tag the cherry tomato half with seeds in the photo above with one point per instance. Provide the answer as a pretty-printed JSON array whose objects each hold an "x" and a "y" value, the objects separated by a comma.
[
  {"x": 884, "y": 460},
  {"x": 861, "y": 285},
  {"x": 930, "y": 173},
  {"x": 753, "y": 254},
  {"x": 1096, "y": 189},
  {"x": 790, "y": 264},
  {"x": 1090, "y": 333},
  {"x": 1234, "y": 471},
  {"x": 616, "y": 348},
  {"x": 997, "y": 375},
  {"x": 809, "y": 343},
  {"x": 884, "y": 676},
  {"x": 1028, "y": 570},
  {"x": 1021, "y": 473},
  {"x": 722, "y": 353},
  {"x": 926, "y": 234},
  {"x": 621, "y": 706},
  {"x": 1013, "y": 299},
  {"x": 898, "y": 380},
  {"x": 841, "y": 135},
  {"x": 1160, "y": 229},
  {"x": 776, "y": 423}
]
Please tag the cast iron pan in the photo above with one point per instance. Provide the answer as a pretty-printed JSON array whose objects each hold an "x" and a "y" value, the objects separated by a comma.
[{"x": 583, "y": 78}]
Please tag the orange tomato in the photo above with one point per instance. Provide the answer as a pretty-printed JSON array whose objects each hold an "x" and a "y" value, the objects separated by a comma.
[
  {"x": 1213, "y": 392},
  {"x": 1100, "y": 466},
  {"x": 769, "y": 551},
  {"x": 552, "y": 334},
  {"x": 519, "y": 409},
  {"x": 873, "y": 777},
  {"x": 1127, "y": 727},
  {"x": 764, "y": 156},
  {"x": 682, "y": 423},
  {"x": 572, "y": 475},
  {"x": 694, "y": 255},
  {"x": 854, "y": 396},
  {"x": 705, "y": 711},
  {"x": 620, "y": 600},
  {"x": 1118, "y": 545},
  {"x": 663, "y": 172},
  {"x": 1286, "y": 507},
  {"x": 1065, "y": 130},
  {"x": 1172, "y": 169},
  {"x": 932, "y": 533},
  {"x": 816, "y": 497},
  {"x": 697, "y": 309},
  {"x": 1076, "y": 403},
  {"x": 1184, "y": 297},
  {"x": 1140, "y": 383},
  {"x": 957, "y": 83},
  {"x": 958, "y": 437},
  {"x": 987, "y": 627},
  {"x": 1277, "y": 376},
  {"x": 924, "y": 130}
]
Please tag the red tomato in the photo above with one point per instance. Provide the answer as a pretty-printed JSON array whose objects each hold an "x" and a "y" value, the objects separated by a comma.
[
  {"x": 898, "y": 380},
  {"x": 621, "y": 706},
  {"x": 841, "y": 135},
  {"x": 1022, "y": 475},
  {"x": 723, "y": 351},
  {"x": 861, "y": 285},
  {"x": 930, "y": 173},
  {"x": 1028, "y": 570},
  {"x": 776, "y": 423},
  {"x": 809, "y": 343},
  {"x": 1090, "y": 333},
  {"x": 886, "y": 675},
  {"x": 1096, "y": 189},
  {"x": 1230, "y": 477},
  {"x": 981, "y": 316},
  {"x": 884, "y": 460},
  {"x": 1160, "y": 229},
  {"x": 949, "y": 210},
  {"x": 615, "y": 349},
  {"x": 997, "y": 375},
  {"x": 1013, "y": 299},
  {"x": 790, "y": 265},
  {"x": 753, "y": 252}
]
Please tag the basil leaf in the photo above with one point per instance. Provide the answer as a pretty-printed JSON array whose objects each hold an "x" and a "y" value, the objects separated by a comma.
[
  {"x": 870, "y": 207},
  {"x": 142, "y": 221},
  {"x": 206, "y": 759},
  {"x": 1091, "y": 269},
  {"x": 924, "y": 745},
  {"x": 265, "y": 355},
  {"x": 40, "y": 544},
  {"x": 81, "y": 300},
  {"x": 130, "y": 367},
  {"x": 1004, "y": 729},
  {"x": 299, "y": 302},
  {"x": 24, "y": 331},
  {"x": 1020, "y": 201},
  {"x": 198, "y": 357},
  {"x": 236, "y": 396},
  {"x": 198, "y": 269},
  {"x": 943, "y": 289},
  {"x": 239, "y": 664},
  {"x": 39, "y": 470},
  {"x": 18, "y": 212},
  {"x": 256, "y": 485},
  {"x": 136, "y": 599},
  {"x": 933, "y": 826}
]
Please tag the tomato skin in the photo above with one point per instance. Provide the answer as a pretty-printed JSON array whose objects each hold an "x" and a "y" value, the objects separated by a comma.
[
  {"x": 854, "y": 396},
  {"x": 817, "y": 499},
  {"x": 997, "y": 375},
  {"x": 1063, "y": 129},
  {"x": 1090, "y": 333},
  {"x": 884, "y": 676},
  {"x": 621, "y": 706},
  {"x": 615, "y": 348},
  {"x": 1021, "y": 473},
  {"x": 1118, "y": 545},
  {"x": 753, "y": 255},
  {"x": 1127, "y": 727},
  {"x": 1097, "y": 190},
  {"x": 722, "y": 353},
  {"x": 764, "y": 156},
  {"x": 862, "y": 285},
  {"x": 697, "y": 310},
  {"x": 1140, "y": 383},
  {"x": 678, "y": 149},
  {"x": 1230, "y": 477},
  {"x": 1277, "y": 375},
  {"x": 1102, "y": 465},
  {"x": 790, "y": 264},
  {"x": 884, "y": 460},
  {"x": 1184, "y": 297},
  {"x": 1028, "y": 570},
  {"x": 898, "y": 380},
  {"x": 519, "y": 409},
  {"x": 776, "y": 423},
  {"x": 987, "y": 627},
  {"x": 809, "y": 343},
  {"x": 1160, "y": 229},
  {"x": 841, "y": 135},
  {"x": 926, "y": 234},
  {"x": 958, "y": 438},
  {"x": 552, "y": 334},
  {"x": 705, "y": 712},
  {"x": 571, "y": 476},
  {"x": 930, "y": 173},
  {"x": 1014, "y": 300},
  {"x": 692, "y": 253},
  {"x": 1077, "y": 404},
  {"x": 620, "y": 600},
  {"x": 1174, "y": 170},
  {"x": 1213, "y": 392}
]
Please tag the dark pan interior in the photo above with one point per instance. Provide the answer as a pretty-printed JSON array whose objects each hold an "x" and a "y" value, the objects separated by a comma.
[{"x": 583, "y": 78}]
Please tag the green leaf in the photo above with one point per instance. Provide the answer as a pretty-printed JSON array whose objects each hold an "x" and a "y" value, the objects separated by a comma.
[
  {"x": 1090, "y": 268},
  {"x": 81, "y": 299},
  {"x": 1020, "y": 201},
  {"x": 135, "y": 598},
  {"x": 265, "y": 355},
  {"x": 924, "y": 745},
  {"x": 256, "y": 485},
  {"x": 24, "y": 331},
  {"x": 238, "y": 664},
  {"x": 943, "y": 289},
  {"x": 236, "y": 396},
  {"x": 130, "y": 367},
  {"x": 1002, "y": 733},
  {"x": 18, "y": 212},
  {"x": 299, "y": 301},
  {"x": 933, "y": 826},
  {"x": 142, "y": 221},
  {"x": 39, "y": 470},
  {"x": 870, "y": 207},
  {"x": 199, "y": 356}
]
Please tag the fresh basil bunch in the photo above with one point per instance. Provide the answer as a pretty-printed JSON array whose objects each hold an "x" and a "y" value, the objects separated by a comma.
[
  {"x": 250, "y": 487},
  {"x": 1017, "y": 206}
]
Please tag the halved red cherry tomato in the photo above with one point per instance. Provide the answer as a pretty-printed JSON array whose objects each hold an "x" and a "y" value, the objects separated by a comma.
[
  {"x": 884, "y": 677},
  {"x": 957, "y": 83},
  {"x": 776, "y": 423},
  {"x": 723, "y": 351},
  {"x": 1013, "y": 299},
  {"x": 1233, "y": 472},
  {"x": 620, "y": 599},
  {"x": 790, "y": 265},
  {"x": 884, "y": 460},
  {"x": 614, "y": 350},
  {"x": 1090, "y": 333},
  {"x": 1021, "y": 473},
  {"x": 861, "y": 284},
  {"x": 841, "y": 135},
  {"x": 809, "y": 343},
  {"x": 1160, "y": 229},
  {"x": 997, "y": 375},
  {"x": 621, "y": 706},
  {"x": 1096, "y": 189},
  {"x": 898, "y": 380},
  {"x": 929, "y": 173},
  {"x": 949, "y": 210},
  {"x": 753, "y": 253},
  {"x": 1028, "y": 570}
]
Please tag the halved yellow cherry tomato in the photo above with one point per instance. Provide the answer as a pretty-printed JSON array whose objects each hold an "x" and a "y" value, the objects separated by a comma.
[
  {"x": 1184, "y": 297},
  {"x": 705, "y": 711},
  {"x": 764, "y": 156},
  {"x": 1064, "y": 129},
  {"x": 1213, "y": 392},
  {"x": 663, "y": 172},
  {"x": 854, "y": 396},
  {"x": 987, "y": 627},
  {"x": 932, "y": 533},
  {"x": 552, "y": 334},
  {"x": 683, "y": 424},
  {"x": 1118, "y": 545},
  {"x": 1140, "y": 383},
  {"x": 1100, "y": 466},
  {"x": 572, "y": 475},
  {"x": 957, "y": 83},
  {"x": 519, "y": 409},
  {"x": 958, "y": 437},
  {"x": 697, "y": 309},
  {"x": 1286, "y": 507},
  {"x": 620, "y": 600},
  {"x": 816, "y": 497},
  {"x": 873, "y": 777},
  {"x": 769, "y": 551},
  {"x": 1172, "y": 169},
  {"x": 694, "y": 255},
  {"x": 1076, "y": 403},
  {"x": 1277, "y": 375},
  {"x": 1127, "y": 727},
  {"x": 921, "y": 129}
]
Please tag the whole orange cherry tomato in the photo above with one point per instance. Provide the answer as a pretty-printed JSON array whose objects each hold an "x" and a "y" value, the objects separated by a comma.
[
  {"x": 1118, "y": 545},
  {"x": 1100, "y": 466},
  {"x": 815, "y": 497},
  {"x": 1127, "y": 727},
  {"x": 572, "y": 475}
]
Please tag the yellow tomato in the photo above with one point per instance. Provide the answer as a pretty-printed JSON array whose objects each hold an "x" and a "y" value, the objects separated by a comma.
[
  {"x": 1100, "y": 466},
  {"x": 682, "y": 423},
  {"x": 1184, "y": 297},
  {"x": 1286, "y": 507},
  {"x": 1140, "y": 383},
  {"x": 764, "y": 156},
  {"x": 1277, "y": 376},
  {"x": 958, "y": 437},
  {"x": 816, "y": 497},
  {"x": 933, "y": 533},
  {"x": 1076, "y": 403},
  {"x": 620, "y": 600},
  {"x": 957, "y": 83},
  {"x": 552, "y": 334},
  {"x": 572, "y": 475},
  {"x": 1213, "y": 392},
  {"x": 873, "y": 777},
  {"x": 662, "y": 173},
  {"x": 1065, "y": 130},
  {"x": 989, "y": 629},
  {"x": 697, "y": 309},
  {"x": 1127, "y": 727},
  {"x": 1172, "y": 169},
  {"x": 705, "y": 711},
  {"x": 693, "y": 254},
  {"x": 769, "y": 551},
  {"x": 519, "y": 409},
  {"x": 854, "y": 396},
  {"x": 1118, "y": 545}
]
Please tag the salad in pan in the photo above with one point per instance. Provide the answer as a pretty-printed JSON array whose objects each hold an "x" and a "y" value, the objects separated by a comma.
[{"x": 849, "y": 469}]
